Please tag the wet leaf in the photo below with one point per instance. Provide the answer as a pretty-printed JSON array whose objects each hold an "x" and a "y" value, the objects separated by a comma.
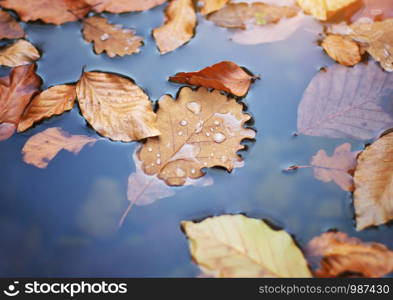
[
  {"x": 121, "y": 6},
  {"x": 242, "y": 15},
  {"x": 374, "y": 10},
  {"x": 179, "y": 26},
  {"x": 51, "y": 102},
  {"x": 19, "y": 53},
  {"x": 337, "y": 255},
  {"x": 9, "y": 27},
  {"x": 343, "y": 50},
  {"x": 209, "y": 6},
  {"x": 225, "y": 76},
  {"x": 116, "y": 107},
  {"x": 347, "y": 103},
  {"x": 49, "y": 11},
  {"x": 200, "y": 129},
  {"x": 325, "y": 9},
  {"x": 377, "y": 40},
  {"x": 237, "y": 246},
  {"x": 41, "y": 148},
  {"x": 373, "y": 196},
  {"x": 112, "y": 39},
  {"x": 16, "y": 90}
]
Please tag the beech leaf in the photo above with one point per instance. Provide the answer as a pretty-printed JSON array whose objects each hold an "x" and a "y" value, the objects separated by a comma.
[
  {"x": 209, "y": 6},
  {"x": 41, "y": 148},
  {"x": 336, "y": 255},
  {"x": 343, "y": 50},
  {"x": 225, "y": 76},
  {"x": 9, "y": 27},
  {"x": 346, "y": 102},
  {"x": 238, "y": 246},
  {"x": 51, "y": 102},
  {"x": 19, "y": 53},
  {"x": 325, "y": 9},
  {"x": 116, "y": 107},
  {"x": 201, "y": 129},
  {"x": 112, "y": 39},
  {"x": 373, "y": 196},
  {"x": 121, "y": 6},
  {"x": 179, "y": 26}
]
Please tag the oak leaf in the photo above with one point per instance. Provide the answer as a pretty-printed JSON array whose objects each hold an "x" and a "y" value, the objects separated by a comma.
[
  {"x": 116, "y": 107},
  {"x": 373, "y": 177},
  {"x": 16, "y": 90},
  {"x": 179, "y": 26},
  {"x": 346, "y": 102},
  {"x": 325, "y": 9},
  {"x": 201, "y": 129},
  {"x": 49, "y": 11},
  {"x": 337, "y": 255},
  {"x": 209, "y": 6},
  {"x": 238, "y": 246},
  {"x": 19, "y": 53},
  {"x": 121, "y": 6},
  {"x": 242, "y": 15},
  {"x": 225, "y": 76},
  {"x": 342, "y": 49},
  {"x": 41, "y": 148},
  {"x": 9, "y": 27},
  {"x": 112, "y": 39},
  {"x": 51, "y": 102}
]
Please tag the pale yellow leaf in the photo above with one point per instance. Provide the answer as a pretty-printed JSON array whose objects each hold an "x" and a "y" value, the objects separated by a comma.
[
  {"x": 19, "y": 53},
  {"x": 324, "y": 9}
]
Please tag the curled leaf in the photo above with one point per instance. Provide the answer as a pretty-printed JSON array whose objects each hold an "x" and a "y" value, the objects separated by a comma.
[
  {"x": 325, "y": 9},
  {"x": 209, "y": 6},
  {"x": 41, "y": 148},
  {"x": 9, "y": 27},
  {"x": 121, "y": 6},
  {"x": 116, "y": 107},
  {"x": 178, "y": 28},
  {"x": 19, "y": 53},
  {"x": 343, "y": 50},
  {"x": 112, "y": 39},
  {"x": 51, "y": 102},
  {"x": 225, "y": 76},
  {"x": 237, "y": 246},
  {"x": 337, "y": 255}
]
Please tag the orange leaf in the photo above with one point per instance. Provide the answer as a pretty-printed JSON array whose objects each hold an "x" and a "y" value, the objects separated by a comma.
[
  {"x": 225, "y": 76},
  {"x": 121, "y": 6},
  {"x": 342, "y": 49},
  {"x": 9, "y": 28},
  {"x": 209, "y": 6}
]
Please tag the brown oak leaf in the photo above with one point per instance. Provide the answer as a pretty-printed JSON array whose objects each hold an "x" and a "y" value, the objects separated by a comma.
[
  {"x": 9, "y": 27},
  {"x": 19, "y": 53},
  {"x": 180, "y": 21},
  {"x": 342, "y": 49},
  {"x": 225, "y": 76},
  {"x": 209, "y": 6},
  {"x": 121, "y": 6},
  {"x": 337, "y": 255},
  {"x": 112, "y": 39},
  {"x": 51, "y": 102}
]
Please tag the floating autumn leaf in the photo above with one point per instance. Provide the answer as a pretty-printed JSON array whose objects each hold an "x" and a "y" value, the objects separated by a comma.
[
  {"x": 209, "y": 6},
  {"x": 49, "y": 11},
  {"x": 16, "y": 90},
  {"x": 237, "y": 246},
  {"x": 112, "y": 39},
  {"x": 201, "y": 129},
  {"x": 374, "y": 11},
  {"x": 326, "y": 9},
  {"x": 19, "y": 53},
  {"x": 116, "y": 107},
  {"x": 41, "y": 148},
  {"x": 225, "y": 76},
  {"x": 346, "y": 102},
  {"x": 51, "y": 102},
  {"x": 178, "y": 28},
  {"x": 9, "y": 27},
  {"x": 336, "y": 255},
  {"x": 342, "y": 49},
  {"x": 373, "y": 196},
  {"x": 121, "y": 6},
  {"x": 242, "y": 15},
  {"x": 377, "y": 40}
]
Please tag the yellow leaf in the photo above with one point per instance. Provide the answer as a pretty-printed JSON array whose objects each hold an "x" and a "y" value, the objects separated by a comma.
[
  {"x": 343, "y": 50},
  {"x": 324, "y": 9},
  {"x": 19, "y": 53},
  {"x": 178, "y": 28},
  {"x": 237, "y": 246},
  {"x": 209, "y": 6},
  {"x": 116, "y": 107}
]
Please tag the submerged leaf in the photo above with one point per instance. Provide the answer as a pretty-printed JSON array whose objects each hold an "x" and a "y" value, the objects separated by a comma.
[
  {"x": 116, "y": 107},
  {"x": 325, "y": 9},
  {"x": 201, "y": 129},
  {"x": 9, "y": 27},
  {"x": 237, "y": 246},
  {"x": 337, "y": 255},
  {"x": 41, "y": 148},
  {"x": 112, "y": 39},
  {"x": 121, "y": 6},
  {"x": 209, "y": 6},
  {"x": 373, "y": 196},
  {"x": 347, "y": 103},
  {"x": 374, "y": 10},
  {"x": 51, "y": 102},
  {"x": 341, "y": 49},
  {"x": 225, "y": 76},
  {"x": 18, "y": 54},
  {"x": 178, "y": 28}
]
